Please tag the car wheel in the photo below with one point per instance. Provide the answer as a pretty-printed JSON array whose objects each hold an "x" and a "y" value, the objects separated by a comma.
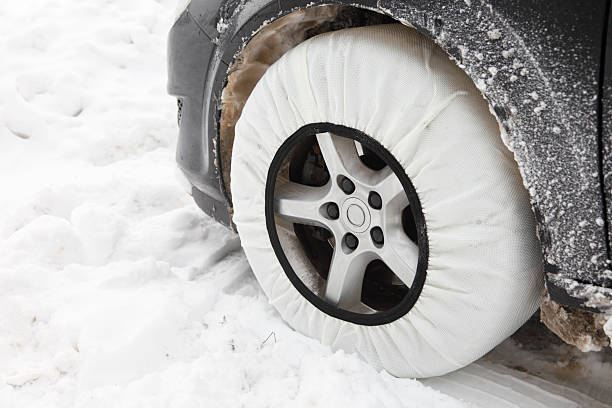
[{"x": 378, "y": 206}]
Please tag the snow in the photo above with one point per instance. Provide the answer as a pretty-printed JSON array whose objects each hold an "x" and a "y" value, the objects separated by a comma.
[
  {"x": 222, "y": 25},
  {"x": 494, "y": 34},
  {"x": 115, "y": 290}
]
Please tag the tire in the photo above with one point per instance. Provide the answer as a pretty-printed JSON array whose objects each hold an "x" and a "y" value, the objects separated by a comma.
[{"x": 461, "y": 268}]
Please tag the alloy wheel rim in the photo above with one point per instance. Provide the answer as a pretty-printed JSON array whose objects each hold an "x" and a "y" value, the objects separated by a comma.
[{"x": 363, "y": 211}]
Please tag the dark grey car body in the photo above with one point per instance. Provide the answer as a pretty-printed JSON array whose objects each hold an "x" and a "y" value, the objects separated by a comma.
[{"x": 540, "y": 64}]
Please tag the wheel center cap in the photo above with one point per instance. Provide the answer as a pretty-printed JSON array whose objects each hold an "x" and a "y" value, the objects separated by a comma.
[{"x": 355, "y": 215}]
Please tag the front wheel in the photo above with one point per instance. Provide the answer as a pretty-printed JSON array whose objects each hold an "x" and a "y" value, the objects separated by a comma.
[{"x": 377, "y": 205}]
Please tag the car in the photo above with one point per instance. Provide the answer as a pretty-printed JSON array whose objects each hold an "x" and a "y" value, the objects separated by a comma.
[{"x": 410, "y": 180}]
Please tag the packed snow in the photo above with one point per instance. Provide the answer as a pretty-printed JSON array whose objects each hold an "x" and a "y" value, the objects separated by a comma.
[{"x": 115, "y": 289}]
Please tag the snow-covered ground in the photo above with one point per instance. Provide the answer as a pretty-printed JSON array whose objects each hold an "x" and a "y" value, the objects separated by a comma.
[{"x": 115, "y": 290}]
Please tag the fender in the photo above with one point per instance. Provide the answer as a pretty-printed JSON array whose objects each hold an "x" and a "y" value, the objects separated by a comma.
[{"x": 538, "y": 66}]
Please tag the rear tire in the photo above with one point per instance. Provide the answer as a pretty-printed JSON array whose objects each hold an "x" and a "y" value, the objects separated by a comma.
[{"x": 462, "y": 264}]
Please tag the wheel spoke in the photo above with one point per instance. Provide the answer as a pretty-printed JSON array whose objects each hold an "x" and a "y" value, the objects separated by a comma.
[
  {"x": 390, "y": 189},
  {"x": 363, "y": 309},
  {"x": 345, "y": 278},
  {"x": 401, "y": 255},
  {"x": 300, "y": 204},
  {"x": 339, "y": 153}
]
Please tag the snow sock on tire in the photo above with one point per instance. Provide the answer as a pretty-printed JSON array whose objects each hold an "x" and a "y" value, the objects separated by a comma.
[{"x": 480, "y": 261}]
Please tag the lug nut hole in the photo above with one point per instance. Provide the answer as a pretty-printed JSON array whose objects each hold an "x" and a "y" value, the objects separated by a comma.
[
  {"x": 346, "y": 185},
  {"x": 377, "y": 236},
  {"x": 375, "y": 200},
  {"x": 351, "y": 241},
  {"x": 332, "y": 211}
]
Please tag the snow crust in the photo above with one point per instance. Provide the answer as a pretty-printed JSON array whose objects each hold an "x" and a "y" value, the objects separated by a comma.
[{"x": 115, "y": 290}]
